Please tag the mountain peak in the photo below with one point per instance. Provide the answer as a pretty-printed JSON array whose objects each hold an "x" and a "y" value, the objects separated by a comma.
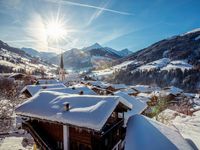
[
  {"x": 125, "y": 52},
  {"x": 97, "y": 44},
  {"x": 94, "y": 46},
  {"x": 192, "y": 31}
]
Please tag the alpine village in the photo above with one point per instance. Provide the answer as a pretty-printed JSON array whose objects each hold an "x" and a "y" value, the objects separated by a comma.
[{"x": 67, "y": 95}]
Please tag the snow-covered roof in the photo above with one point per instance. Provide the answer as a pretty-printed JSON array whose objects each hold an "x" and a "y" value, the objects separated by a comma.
[
  {"x": 145, "y": 88},
  {"x": 87, "y": 111},
  {"x": 118, "y": 86},
  {"x": 137, "y": 106},
  {"x": 172, "y": 90},
  {"x": 98, "y": 84},
  {"x": 48, "y": 81},
  {"x": 73, "y": 90},
  {"x": 147, "y": 134},
  {"x": 32, "y": 89},
  {"x": 129, "y": 91}
]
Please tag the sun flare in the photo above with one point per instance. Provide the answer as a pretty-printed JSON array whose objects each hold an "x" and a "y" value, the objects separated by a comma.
[{"x": 55, "y": 30}]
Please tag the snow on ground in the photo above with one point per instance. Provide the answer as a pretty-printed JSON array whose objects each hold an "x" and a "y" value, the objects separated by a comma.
[
  {"x": 16, "y": 142},
  {"x": 103, "y": 73},
  {"x": 166, "y": 64},
  {"x": 197, "y": 38},
  {"x": 7, "y": 63},
  {"x": 13, "y": 143},
  {"x": 124, "y": 64},
  {"x": 110, "y": 71},
  {"x": 188, "y": 126},
  {"x": 178, "y": 64}
]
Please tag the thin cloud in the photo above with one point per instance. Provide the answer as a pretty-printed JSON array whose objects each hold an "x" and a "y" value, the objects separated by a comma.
[
  {"x": 65, "y": 2},
  {"x": 21, "y": 41},
  {"x": 97, "y": 13}
]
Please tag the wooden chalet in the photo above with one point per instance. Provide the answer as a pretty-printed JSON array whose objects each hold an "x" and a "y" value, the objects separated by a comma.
[
  {"x": 101, "y": 91},
  {"x": 78, "y": 122},
  {"x": 30, "y": 90},
  {"x": 115, "y": 87}
]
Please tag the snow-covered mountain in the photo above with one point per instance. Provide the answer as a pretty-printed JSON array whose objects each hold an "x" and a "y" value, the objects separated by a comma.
[
  {"x": 16, "y": 60},
  {"x": 180, "y": 47},
  {"x": 94, "y": 46},
  {"x": 120, "y": 53},
  {"x": 170, "y": 62},
  {"x": 125, "y": 52},
  {"x": 5, "y": 46},
  {"x": 89, "y": 57},
  {"x": 35, "y": 53}
]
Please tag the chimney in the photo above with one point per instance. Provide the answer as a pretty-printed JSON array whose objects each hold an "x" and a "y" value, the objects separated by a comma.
[
  {"x": 81, "y": 93},
  {"x": 66, "y": 106}
]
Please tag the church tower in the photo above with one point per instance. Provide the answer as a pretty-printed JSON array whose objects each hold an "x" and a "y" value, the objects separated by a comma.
[{"x": 62, "y": 70}]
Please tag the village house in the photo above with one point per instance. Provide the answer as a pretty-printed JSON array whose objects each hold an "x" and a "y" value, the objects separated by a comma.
[
  {"x": 101, "y": 91},
  {"x": 129, "y": 91},
  {"x": 138, "y": 105},
  {"x": 29, "y": 90},
  {"x": 76, "y": 122},
  {"x": 116, "y": 87},
  {"x": 144, "y": 88}
]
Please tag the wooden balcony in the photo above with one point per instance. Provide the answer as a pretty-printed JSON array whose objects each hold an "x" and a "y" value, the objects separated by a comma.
[{"x": 39, "y": 138}]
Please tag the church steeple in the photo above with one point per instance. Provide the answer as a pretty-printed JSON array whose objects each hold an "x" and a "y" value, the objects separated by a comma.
[
  {"x": 61, "y": 62},
  {"x": 62, "y": 70}
]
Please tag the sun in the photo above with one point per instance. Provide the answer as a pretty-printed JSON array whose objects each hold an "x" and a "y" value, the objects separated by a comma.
[{"x": 55, "y": 30}]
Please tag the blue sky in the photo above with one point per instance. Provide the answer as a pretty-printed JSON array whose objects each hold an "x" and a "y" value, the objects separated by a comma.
[{"x": 133, "y": 24}]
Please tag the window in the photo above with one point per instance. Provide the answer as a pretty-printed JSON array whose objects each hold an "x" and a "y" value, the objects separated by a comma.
[
  {"x": 106, "y": 142},
  {"x": 59, "y": 145},
  {"x": 120, "y": 115},
  {"x": 118, "y": 132}
]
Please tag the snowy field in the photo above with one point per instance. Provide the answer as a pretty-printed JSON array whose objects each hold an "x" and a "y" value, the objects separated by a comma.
[
  {"x": 188, "y": 126},
  {"x": 16, "y": 142},
  {"x": 166, "y": 64},
  {"x": 161, "y": 64}
]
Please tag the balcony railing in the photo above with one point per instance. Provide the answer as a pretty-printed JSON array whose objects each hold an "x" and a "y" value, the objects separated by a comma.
[
  {"x": 43, "y": 144},
  {"x": 112, "y": 127}
]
